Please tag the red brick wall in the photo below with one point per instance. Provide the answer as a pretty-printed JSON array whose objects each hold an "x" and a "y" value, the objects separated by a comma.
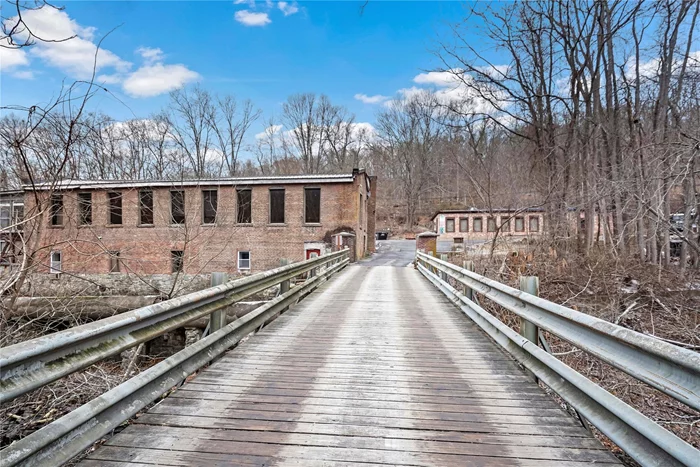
[
  {"x": 208, "y": 248},
  {"x": 426, "y": 244}
]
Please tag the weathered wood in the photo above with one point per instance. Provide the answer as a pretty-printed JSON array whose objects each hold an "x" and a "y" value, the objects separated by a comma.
[{"x": 375, "y": 367}]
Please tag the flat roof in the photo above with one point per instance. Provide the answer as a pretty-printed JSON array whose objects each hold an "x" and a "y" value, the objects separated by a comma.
[
  {"x": 5, "y": 193},
  {"x": 484, "y": 211},
  {"x": 230, "y": 181}
]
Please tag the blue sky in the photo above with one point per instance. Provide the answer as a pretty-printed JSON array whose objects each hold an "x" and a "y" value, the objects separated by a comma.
[{"x": 263, "y": 51}]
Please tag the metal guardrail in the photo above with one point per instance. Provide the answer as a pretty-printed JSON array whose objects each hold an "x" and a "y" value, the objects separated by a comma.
[
  {"x": 37, "y": 362},
  {"x": 31, "y": 364},
  {"x": 669, "y": 368}
]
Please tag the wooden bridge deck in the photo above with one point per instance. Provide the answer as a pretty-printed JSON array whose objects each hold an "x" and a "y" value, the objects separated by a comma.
[{"x": 375, "y": 367}]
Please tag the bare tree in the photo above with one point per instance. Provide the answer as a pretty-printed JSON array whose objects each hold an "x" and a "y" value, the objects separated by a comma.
[
  {"x": 230, "y": 123},
  {"x": 408, "y": 131}
]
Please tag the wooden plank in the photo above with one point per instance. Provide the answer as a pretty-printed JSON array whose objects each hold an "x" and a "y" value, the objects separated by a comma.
[
  {"x": 285, "y": 401},
  {"x": 371, "y": 393},
  {"x": 471, "y": 434},
  {"x": 283, "y": 412},
  {"x": 374, "y": 368},
  {"x": 244, "y": 442},
  {"x": 481, "y": 426}
]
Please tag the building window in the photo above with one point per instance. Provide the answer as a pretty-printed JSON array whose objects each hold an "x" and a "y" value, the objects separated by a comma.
[
  {"x": 18, "y": 215},
  {"x": 477, "y": 224},
  {"x": 114, "y": 261},
  {"x": 84, "y": 208},
  {"x": 244, "y": 204},
  {"x": 146, "y": 207},
  {"x": 177, "y": 260},
  {"x": 491, "y": 224},
  {"x": 210, "y": 199},
  {"x": 115, "y": 207},
  {"x": 5, "y": 217},
  {"x": 56, "y": 209},
  {"x": 458, "y": 240},
  {"x": 519, "y": 224},
  {"x": 312, "y": 205},
  {"x": 177, "y": 207},
  {"x": 449, "y": 224},
  {"x": 534, "y": 224},
  {"x": 56, "y": 265},
  {"x": 464, "y": 224},
  {"x": 505, "y": 224},
  {"x": 243, "y": 260},
  {"x": 276, "y": 205}
]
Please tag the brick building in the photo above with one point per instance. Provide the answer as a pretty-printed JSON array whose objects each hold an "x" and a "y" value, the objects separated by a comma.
[
  {"x": 461, "y": 226},
  {"x": 235, "y": 225}
]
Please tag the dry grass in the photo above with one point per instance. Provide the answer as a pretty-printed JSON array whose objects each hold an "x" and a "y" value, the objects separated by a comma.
[
  {"x": 645, "y": 298},
  {"x": 30, "y": 412}
]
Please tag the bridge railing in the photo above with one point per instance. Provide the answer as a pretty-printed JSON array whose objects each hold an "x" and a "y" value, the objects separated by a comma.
[
  {"x": 666, "y": 367},
  {"x": 32, "y": 364}
]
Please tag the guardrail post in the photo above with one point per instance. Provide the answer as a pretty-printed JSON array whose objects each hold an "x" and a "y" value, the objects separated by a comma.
[
  {"x": 531, "y": 285},
  {"x": 468, "y": 292},
  {"x": 443, "y": 274},
  {"x": 284, "y": 285},
  {"x": 217, "y": 319}
]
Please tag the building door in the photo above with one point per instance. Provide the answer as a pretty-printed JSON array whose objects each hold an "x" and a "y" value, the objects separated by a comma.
[{"x": 313, "y": 253}]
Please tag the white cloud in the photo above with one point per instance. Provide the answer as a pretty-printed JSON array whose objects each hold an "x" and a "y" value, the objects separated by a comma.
[
  {"x": 438, "y": 78},
  {"x": 251, "y": 18},
  {"x": 376, "y": 99},
  {"x": 153, "y": 79},
  {"x": 23, "y": 74},
  {"x": 150, "y": 55},
  {"x": 455, "y": 89},
  {"x": 78, "y": 56},
  {"x": 652, "y": 67},
  {"x": 110, "y": 79},
  {"x": 12, "y": 58},
  {"x": 495, "y": 71},
  {"x": 269, "y": 131},
  {"x": 288, "y": 8}
]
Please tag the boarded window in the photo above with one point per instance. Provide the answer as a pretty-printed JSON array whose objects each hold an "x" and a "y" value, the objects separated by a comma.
[
  {"x": 56, "y": 210},
  {"x": 277, "y": 206},
  {"x": 115, "y": 207},
  {"x": 491, "y": 224},
  {"x": 312, "y": 205},
  {"x": 519, "y": 224},
  {"x": 177, "y": 259},
  {"x": 85, "y": 208},
  {"x": 449, "y": 225},
  {"x": 464, "y": 224},
  {"x": 114, "y": 261},
  {"x": 243, "y": 260},
  {"x": 478, "y": 224},
  {"x": 534, "y": 223},
  {"x": 177, "y": 207},
  {"x": 505, "y": 224},
  {"x": 244, "y": 200},
  {"x": 56, "y": 265},
  {"x": 146, "y": 207},
  {"x": 210, "y": 199}
]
